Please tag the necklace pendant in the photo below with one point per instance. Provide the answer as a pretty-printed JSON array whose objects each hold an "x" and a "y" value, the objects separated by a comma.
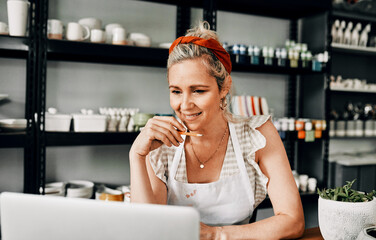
[{"x": 202, "y": 165}]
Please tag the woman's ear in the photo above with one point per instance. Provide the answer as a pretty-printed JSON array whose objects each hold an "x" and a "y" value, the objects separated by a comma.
[{"x": 226, "y": 86}]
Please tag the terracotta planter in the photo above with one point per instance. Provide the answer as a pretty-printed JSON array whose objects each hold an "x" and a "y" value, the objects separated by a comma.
[{"x": 345, "y": 220}]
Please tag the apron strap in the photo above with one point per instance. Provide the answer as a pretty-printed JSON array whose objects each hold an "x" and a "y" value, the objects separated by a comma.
[
  {"x": 241, "y": 164},
  {"x": 177, "y": 158}
]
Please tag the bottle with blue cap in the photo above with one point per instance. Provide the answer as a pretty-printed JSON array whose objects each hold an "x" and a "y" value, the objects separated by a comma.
[
  {"x": 235, "y": 49},
  {"x": 243, "y": 56}
]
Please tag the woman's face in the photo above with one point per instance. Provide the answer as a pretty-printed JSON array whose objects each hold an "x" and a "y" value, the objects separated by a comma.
[{"x": 194, "y": 95}]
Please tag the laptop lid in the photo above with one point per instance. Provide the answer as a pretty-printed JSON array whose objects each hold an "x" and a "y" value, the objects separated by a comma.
[{"x": 26, "y": 216}]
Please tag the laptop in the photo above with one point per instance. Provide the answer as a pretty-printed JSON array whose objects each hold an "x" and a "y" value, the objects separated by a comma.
[{"x": 26, "y": 216}]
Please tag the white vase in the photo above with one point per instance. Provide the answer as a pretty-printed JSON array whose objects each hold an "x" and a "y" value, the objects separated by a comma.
[{"x": 345, "y": 220}]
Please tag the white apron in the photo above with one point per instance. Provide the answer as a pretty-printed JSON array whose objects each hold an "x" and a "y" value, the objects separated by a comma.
[{"x": 227, "y": 201}]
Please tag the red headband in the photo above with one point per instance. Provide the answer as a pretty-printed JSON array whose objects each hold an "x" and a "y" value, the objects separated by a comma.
[{"x": 211, "y": 44}]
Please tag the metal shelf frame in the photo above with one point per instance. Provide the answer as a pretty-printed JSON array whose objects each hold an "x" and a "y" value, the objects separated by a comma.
[
  {"x": 118, "y": 138},
  {"x": 13, "y": 139},
  {"x": 90, "y": 138},
  {"x": 26, "y": 48},
  {"x": 288, "y": 9},
  {"x": 337, "y": 13}
]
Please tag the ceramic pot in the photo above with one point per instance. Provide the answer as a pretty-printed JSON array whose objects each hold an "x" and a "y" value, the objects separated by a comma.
[
  {"x": 345, "y": 220},
  {"x": 367, "y": 234}
]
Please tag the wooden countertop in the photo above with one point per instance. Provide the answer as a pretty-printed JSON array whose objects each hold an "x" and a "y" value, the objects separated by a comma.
[{"x": 312, "y": 234}]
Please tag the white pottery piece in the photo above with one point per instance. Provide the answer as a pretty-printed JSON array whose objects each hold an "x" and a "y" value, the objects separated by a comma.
[
  {"x": 366, "y": 233},
  {"x": 345, "y": 220}
]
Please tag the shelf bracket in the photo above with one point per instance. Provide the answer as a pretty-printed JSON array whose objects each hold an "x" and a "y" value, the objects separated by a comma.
[
  {"x": 183, "y": 19},
  {"x": 210, "y": 13}
]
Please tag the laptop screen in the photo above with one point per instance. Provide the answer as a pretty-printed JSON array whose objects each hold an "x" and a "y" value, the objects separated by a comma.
[{"x": 25, "y": 216}]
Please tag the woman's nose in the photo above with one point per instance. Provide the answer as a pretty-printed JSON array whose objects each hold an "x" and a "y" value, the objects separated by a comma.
[{"x": 186, "y": 102}]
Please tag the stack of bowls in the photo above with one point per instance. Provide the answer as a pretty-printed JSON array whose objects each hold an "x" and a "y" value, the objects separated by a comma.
[
  {"x": 80, "y": 189},
  {"x": 55, "y": 189}
]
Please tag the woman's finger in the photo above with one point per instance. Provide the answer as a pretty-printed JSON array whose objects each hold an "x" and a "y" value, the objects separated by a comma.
[
  {"x": 173, "y": 121},
  {"x": 205, "y": 232},
  {"x": 155, "y": 135},
  {"x": 169, "y": 127},
  {"x": 206, "y": 236},
  {"x": 165, "y": 132}
]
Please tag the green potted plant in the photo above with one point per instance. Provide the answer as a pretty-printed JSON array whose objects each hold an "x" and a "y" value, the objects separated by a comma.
[{"x": 344, "y": 212}]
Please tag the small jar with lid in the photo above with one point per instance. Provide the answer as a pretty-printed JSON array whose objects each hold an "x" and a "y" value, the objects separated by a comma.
[
  {"x": 304, "y": 61},
  {"x": 266, "y": 54},
  {"x": 291, "y": 122},
  {"x": 271, "y": 55},
  {"x": 255, "y": 57},
  {"x": 235, "y": 49},
  {"x": 308, "y": 126},
  {"x": 290, "y": 44},
  {"x": 316, "y": 62},
  {"x": 294, "y": 57},
  {"x": 317, "y": 126},
  {"x": 359, "y": 128},
  {"x": 299, "y": 124},
  {"x": 309, "y": 58},
  {"x": 281, "y": 59},
  {"x": 340, "y": 130},
  {"x": 284, "y": 123},
  {"x": 243, "y": 54},
  {"x": 226, "y": 46}
]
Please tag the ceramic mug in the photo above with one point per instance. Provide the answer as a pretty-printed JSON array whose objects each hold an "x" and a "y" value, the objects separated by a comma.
[
  {"x": 97, "y": 36},
  {"x": 110, "y": 197},
  {"x": 92, "y": 23},
  {"x": 109, "y": 28},
  {"x": 4, "y": 28},
  {"x": 119, "y": 36},
  {"x": 107, "y": 194},
  {"x": 55, "y": 29},
  {"x": 17, "y": 17},
  {"x": 77, "y": 32}
]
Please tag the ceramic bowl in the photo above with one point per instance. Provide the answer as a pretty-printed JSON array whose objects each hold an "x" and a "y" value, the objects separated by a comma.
[{"x": 345, "y": 220}]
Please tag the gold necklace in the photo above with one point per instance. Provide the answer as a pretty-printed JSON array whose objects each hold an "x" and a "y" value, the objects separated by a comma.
[{"x": 202, "y": 164}]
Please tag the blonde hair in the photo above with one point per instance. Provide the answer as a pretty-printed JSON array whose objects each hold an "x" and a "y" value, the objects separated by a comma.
[{"x": 192, "y": 51}]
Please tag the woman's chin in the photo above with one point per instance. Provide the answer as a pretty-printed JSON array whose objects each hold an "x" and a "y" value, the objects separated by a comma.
[{"x": 193, "y": 127}]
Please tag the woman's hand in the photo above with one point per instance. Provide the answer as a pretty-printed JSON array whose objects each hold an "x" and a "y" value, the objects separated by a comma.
[
  {"x": 211, "y": 233},
  {"x": 157, "y": 131}
]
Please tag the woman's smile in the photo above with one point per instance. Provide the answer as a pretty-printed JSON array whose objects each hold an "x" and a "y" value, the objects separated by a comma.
[{"x": 190, "y": 116}]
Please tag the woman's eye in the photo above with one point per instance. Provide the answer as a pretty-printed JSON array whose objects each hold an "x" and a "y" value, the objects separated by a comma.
[
  {"x": 199, "y": 91},
  {"x": 175, "y": 92}
]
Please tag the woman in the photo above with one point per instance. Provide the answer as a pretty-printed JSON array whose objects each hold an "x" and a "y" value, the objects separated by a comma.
[{"x": 227, "y": 164}]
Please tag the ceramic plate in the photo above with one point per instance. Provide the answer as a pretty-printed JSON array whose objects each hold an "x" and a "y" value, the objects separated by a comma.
[
  {"x": 3, "y": 96},
  {"x": 18, "y": 124}
]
